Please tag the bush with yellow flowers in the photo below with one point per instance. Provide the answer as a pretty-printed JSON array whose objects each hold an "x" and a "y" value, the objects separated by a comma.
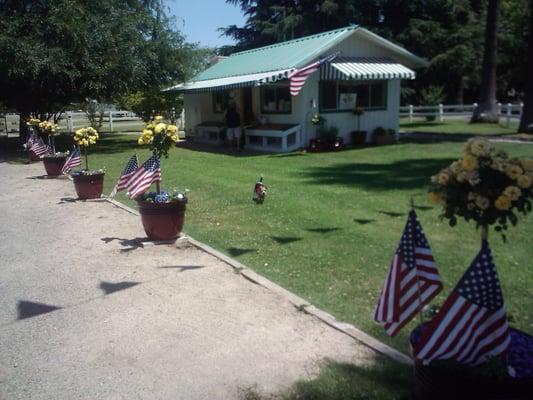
[
  {"x": 485, "y": 185},
  {"x": 159, "y": 136},
  {"x": 49, "y": 129},
  {"x": 85, "y": 137}
]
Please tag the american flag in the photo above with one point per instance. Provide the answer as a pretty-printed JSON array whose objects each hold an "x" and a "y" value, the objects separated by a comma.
[
  {"x": 297, "y": 78},
  {"x": 413, "y": 279},
  {"x": 471, "y": 326},
  {"x": 144, "y": 176},
  {"x": 73, "y": 160},
  {"x": 126, "y": 174},
  {"x": 39, "y": 148},
  {"x": 30, "y": 140}
]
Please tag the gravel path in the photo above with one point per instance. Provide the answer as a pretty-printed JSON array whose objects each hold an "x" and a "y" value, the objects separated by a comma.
[{"x": 87, "y": 314}]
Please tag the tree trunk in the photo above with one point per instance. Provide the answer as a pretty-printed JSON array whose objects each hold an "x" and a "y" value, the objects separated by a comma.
[
  {"x": 526, "y": 122},
  {"x": 487, "y": 110},
  {"x": 24, "y": 115},
  {"x": 460, "y": 96}
]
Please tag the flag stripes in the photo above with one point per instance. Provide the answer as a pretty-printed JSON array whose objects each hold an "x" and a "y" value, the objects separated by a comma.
[
  {"x": 413, "y": 279},
  {"x": 73, "y": 160},
  {"x": 126, "y": 174},
  {"x": 39, "y": 147},
  {"x": 298, "y": 77},
  {"x": 143, "y": 177},
  {"x": 471, "y": 326}
]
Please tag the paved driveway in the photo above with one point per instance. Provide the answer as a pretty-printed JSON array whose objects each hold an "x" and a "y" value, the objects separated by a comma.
[{"x": 85, "y": 313}]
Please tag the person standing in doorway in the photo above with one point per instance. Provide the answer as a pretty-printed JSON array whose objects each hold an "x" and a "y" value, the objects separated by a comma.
[{"x": 233, "y": 125}]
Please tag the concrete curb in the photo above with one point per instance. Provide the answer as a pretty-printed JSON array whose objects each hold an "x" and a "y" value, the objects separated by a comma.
[{"x": 295, "y": 300}]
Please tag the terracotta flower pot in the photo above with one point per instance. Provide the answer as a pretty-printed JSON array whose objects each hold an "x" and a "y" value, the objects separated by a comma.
[
  {"x": 358, "y": 137},
  {"x": 89, "y": 186},
  {"x": 162, "y": 221},
  {"x": 32, "y": 156},
  {"x": 53, "y": 165}
]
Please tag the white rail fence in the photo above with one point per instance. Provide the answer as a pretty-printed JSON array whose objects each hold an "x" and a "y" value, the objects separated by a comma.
[{"x": 507, "y": 111}]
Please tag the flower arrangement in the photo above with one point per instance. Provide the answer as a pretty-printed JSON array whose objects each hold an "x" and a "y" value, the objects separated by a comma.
[
  {"x": 486, "y": 186},
  {"x": 85, "y": 137},
  {"x": 48, "y": 129},
  {"x": 160, "y": 137},
  {"x": 358, "y": 111},
  {"x": 163, "y": 197}
]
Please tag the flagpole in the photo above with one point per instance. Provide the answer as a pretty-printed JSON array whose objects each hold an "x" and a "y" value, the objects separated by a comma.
[{"x": 420, "y": 314}]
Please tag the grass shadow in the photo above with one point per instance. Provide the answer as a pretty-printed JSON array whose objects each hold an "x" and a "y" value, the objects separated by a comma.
[
  {"x": 342, "y": 381},
  {"x": 363, "y": 221},
  {"x": 218, "y": 149},
  {"x": 391, "y": 214},
  {"x": 403, "y": 174},
  {"x": 322, "y": 230},
  {"x": 285, "y": 240},
  {"x": 235, "y": 252}
]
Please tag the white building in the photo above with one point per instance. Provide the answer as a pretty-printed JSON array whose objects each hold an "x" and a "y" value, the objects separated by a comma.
[{"x": 366, "y": 73}]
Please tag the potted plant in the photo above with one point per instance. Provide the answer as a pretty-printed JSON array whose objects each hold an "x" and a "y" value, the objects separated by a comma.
[
  {"x": 328, "y": 138},
  {"x": 490, "y": 188},
  {"x": 89, "y": 184},
  {"x": 162, "y": 212},
  {"x": 53, "y": 162},
  {"x": 358, "y": 136},
  {"x": 381, "y": 136},
  {"x": 34, "y": 145}
]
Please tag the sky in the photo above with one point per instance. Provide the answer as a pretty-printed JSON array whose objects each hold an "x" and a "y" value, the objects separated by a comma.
[{"x": 200, "y": 19}]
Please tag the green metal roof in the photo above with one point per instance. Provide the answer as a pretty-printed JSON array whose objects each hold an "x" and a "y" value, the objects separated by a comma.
[{"x": 292, "y": 54}]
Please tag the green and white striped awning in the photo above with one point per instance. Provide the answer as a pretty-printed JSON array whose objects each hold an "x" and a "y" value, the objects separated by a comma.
[
  {"x": 364, "y": 68},
  {"x": 231, "y": 82}
]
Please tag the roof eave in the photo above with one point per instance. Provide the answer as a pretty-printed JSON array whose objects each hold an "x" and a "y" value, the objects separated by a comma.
[{"x": 416, "y": 61}]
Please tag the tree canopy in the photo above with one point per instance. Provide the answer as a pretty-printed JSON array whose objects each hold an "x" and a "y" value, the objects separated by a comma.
[
  {"x": 449, "y": 33},
  {"x": 57, "y": 52}
]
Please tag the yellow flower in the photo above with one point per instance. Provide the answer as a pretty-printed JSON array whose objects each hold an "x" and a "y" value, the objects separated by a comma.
[
  {"x": 503, "y": 203},
  {"x": 158, "y": 118},
  {"x": 482, "y": 202},
  {"x": 147, "y": 132},
  {"x": 512, "y": 192},
  {"x": 456, "y": 167},
  {"x": 434, "y": 198},
  {"x": 172, "y": 128},
  {"x": 480, "y": 147},
  {"x": 443, "y": 178},
  {"x": 140, "y": 140},
  {"x": 160, "y": 127},
  {"x": 527, "y": 164},
  {"x": 469, "y": 162},
  {"x": 513, "y": 171},
  {"x": 498, "y": 164},
  {"x": 524, "y": 181}
]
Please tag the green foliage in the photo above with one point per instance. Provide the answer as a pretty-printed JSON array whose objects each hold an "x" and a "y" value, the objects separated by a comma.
[
  {"x": 432, "y": 95},
  {"x": 56, "y": 52},
  {"x": 448, "y": 33}
]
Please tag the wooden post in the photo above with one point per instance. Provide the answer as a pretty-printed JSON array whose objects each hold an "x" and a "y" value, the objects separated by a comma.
[
  {"x": 410, "y": 113},
  {"x": 484, "y": 233},
  {"x": 508, "y": 113},
  {"x": 110, "y": 121},
  {"x": 69, "y": 122},
  {"x": 441, "y": 113}
]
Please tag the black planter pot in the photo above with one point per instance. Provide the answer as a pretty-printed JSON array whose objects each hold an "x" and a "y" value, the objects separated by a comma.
[
  {"x": 358, "y": 138},
  {"x": 443, "y": 381}
]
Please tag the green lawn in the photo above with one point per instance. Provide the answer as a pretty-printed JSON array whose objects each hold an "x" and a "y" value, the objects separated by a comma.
[
  {"x": 383, "y": 381},
  {"x": 331, "y": 222},
  {"x": 457, "y": 126}
]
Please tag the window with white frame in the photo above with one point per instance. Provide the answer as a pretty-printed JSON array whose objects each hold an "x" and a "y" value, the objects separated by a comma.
[
  {"x": 276, "y": 99},
  {"x": 339, "y": 96}
]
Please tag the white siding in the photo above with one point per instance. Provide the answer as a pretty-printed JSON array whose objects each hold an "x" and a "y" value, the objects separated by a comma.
[{"x": 199, "y": 108}]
